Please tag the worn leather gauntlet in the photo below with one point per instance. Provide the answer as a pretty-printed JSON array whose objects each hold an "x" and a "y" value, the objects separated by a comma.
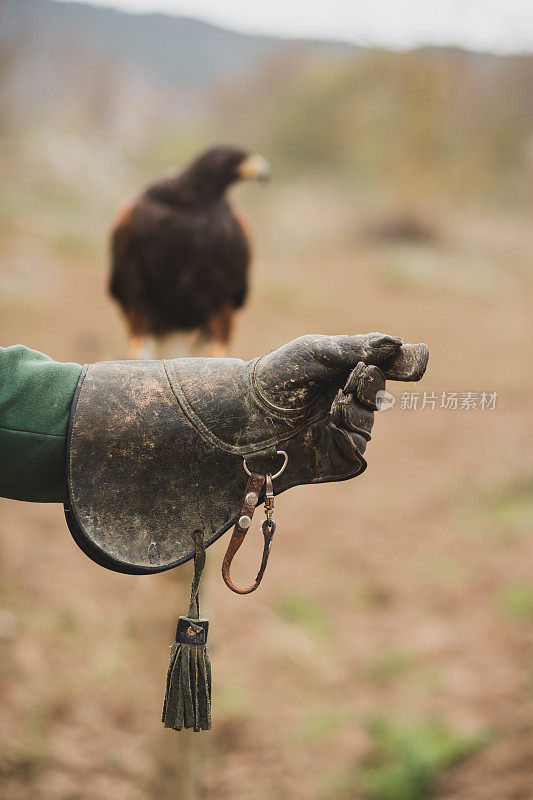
[{"x": 156, "y": 448}]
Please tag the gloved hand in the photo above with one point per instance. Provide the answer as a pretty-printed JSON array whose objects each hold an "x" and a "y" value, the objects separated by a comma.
[
  {"x": 301, "y": 379},
  {"x": 156, "y": 448}
]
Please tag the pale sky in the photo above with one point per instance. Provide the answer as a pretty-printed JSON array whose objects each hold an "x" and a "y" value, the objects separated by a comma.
[{"x": 499, "y": 25}]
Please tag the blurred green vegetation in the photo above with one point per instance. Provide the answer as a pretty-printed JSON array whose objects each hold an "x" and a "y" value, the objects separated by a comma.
[
  {"x": 405, "y": 760},
  {"x": 389, "y": 663},
  {"x": 302, "y": 610},
  {"x": 505, "y": 507},
  {"x": 443, "y": 570},
  {"x": 511, "y": 504},
  {"x": 424, "y": 123},
  {"x": 29, "y": 751},
  {"x": 320, "y": 723},
  {"x": 420, "y": 125},
  {"x": 408, "y": 757},
  {"x": 516, "y": 600},
  {"x": 234, "y": 701}
]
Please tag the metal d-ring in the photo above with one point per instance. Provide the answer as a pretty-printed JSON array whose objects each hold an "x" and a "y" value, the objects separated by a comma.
[{"x": 279, "y": 472}]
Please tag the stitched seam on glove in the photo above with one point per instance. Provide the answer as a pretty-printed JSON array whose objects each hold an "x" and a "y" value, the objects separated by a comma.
[
  {"x": 268, "y": 403},
  {"x": 207, "y": 434}
]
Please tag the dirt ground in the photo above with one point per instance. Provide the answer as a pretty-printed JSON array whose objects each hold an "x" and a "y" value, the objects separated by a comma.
[{"x": 406, "y": 593}]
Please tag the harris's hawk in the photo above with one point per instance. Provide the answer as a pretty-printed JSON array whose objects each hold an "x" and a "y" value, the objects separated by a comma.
[{"x": 180, "y": 253}]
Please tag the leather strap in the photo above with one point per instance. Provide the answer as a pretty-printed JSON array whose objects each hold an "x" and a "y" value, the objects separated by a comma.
[
  {"x": 199, "y": 564},
  {"x": 251, "y": 497}
]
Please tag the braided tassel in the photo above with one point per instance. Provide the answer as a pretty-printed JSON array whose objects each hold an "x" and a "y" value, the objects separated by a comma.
[{"x": 187, "y": 702}]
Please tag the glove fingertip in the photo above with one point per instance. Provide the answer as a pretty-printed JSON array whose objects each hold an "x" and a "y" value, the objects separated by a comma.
[{"x": 383, "y": 347}]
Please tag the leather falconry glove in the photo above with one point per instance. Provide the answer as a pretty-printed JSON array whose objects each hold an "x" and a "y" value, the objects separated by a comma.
[{"x": 156, "y": 448}]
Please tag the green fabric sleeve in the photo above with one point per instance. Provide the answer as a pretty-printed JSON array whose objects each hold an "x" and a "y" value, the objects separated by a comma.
[{"x": 35, "y": 397}]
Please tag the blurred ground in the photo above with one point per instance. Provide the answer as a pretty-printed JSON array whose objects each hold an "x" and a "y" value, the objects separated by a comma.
[{"x": 391, "y": 637}]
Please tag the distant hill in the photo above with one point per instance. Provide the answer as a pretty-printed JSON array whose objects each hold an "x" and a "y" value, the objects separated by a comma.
[{"x": 178, "y": 51}]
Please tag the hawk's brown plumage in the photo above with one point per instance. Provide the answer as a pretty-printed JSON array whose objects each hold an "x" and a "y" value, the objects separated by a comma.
[{"x": 180, "y": 254}]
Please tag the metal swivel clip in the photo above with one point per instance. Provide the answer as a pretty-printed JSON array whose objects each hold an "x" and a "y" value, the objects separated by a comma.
[{"x": 269, "y": 525}]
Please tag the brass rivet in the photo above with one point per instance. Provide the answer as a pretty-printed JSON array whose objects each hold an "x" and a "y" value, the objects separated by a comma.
[
  {"x": 245, "y": 522},
  {"x": 251, "y": 499}
]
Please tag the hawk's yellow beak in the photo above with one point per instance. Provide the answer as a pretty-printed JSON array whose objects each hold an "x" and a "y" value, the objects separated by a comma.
[{"x": 254, "y": 167}]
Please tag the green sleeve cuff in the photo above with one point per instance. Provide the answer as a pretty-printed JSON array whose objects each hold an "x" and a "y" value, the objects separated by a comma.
[{"x": 35, "y": 397}]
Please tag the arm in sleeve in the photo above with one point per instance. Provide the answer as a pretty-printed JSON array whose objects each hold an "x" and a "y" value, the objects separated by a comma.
[{"x": 35, "y": 397}]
